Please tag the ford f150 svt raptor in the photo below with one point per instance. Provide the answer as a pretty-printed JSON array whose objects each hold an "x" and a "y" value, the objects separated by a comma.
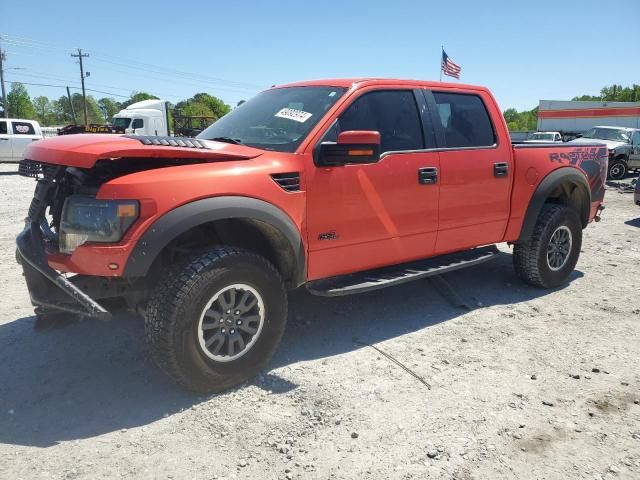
[{"x": 342, "y": 186}]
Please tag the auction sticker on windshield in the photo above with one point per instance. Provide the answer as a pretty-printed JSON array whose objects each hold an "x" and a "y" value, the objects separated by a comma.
[{"x": 293, "y": 114}]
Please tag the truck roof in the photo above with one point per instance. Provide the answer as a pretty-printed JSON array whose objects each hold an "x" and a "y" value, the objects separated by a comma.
[
  {"x": 613, "y": 127},
  {"x": 153, "y": 104},
  {"x": 370, "y": 81}
]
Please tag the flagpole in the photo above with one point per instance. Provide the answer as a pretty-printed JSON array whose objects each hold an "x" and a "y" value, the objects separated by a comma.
[{"x": 442, "y": 47}]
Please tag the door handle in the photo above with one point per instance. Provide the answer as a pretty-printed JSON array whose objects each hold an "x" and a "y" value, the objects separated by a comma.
[
  {"x": 5, "y": 139},
  {"x": 500, "y": 169},
  {"x": 427, "y": 175}
]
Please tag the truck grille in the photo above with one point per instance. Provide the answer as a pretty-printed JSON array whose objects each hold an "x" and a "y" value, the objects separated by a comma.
[{"x": 31, "y": 169}]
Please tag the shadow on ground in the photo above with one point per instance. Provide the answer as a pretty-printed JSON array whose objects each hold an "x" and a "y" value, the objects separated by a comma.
[
  {"x": 89, "y": 378},
  {"x": 633, "y": 223}
]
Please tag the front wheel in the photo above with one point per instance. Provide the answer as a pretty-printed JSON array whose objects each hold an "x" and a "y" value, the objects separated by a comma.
[
  {"x": 547, "y": 259},
  {"x": 617, "y": 170},
  {"x": 215, "y": 321}
]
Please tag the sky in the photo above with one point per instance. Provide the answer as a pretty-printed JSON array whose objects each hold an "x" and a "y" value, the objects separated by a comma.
[{"x": 522, "y": 51}]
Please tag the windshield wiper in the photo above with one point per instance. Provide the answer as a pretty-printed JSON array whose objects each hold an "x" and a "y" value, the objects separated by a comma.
[{"x": 235, "y": 141}]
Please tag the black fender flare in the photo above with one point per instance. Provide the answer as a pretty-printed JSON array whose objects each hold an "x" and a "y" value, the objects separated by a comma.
[
  {"x": 543, "y": 191},
  {"x": 181, "y": 219}
]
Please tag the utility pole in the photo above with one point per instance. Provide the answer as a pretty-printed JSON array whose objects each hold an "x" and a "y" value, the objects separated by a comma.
[
  {"x": 80, "y": 56},
  {"x": 4, "y": 93},
  {"x": 73, "y": 112}
]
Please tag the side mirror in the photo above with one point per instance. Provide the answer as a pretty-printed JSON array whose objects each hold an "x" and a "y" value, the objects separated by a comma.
[{"x": 352, "y": 147}]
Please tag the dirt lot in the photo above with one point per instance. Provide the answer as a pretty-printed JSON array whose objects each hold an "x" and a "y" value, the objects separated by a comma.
[{"x": 528, "y": 384}]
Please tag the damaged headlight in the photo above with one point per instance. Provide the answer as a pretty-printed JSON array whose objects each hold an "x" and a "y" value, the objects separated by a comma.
[{"x": 86, "y": 219}]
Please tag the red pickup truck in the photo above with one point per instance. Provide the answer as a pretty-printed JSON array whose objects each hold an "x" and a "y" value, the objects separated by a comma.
[{"x": 342, "y": 186}]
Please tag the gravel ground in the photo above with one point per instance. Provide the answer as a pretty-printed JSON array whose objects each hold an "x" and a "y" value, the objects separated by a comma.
[{"x": 528, "y": 384}]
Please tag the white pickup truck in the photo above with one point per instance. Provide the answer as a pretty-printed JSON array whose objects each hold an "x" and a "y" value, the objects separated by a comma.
[
  {"x": 15, "y": 136},
  {"x": 544, "y": 137}
]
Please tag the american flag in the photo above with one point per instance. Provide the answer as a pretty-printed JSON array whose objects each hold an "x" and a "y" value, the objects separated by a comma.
[{"x": 449, "y": 67}]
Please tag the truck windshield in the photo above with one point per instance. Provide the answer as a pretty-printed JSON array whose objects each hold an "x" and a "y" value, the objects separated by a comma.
[
  {"x": 121, "y": 122},
  {"x": 614, "y": 134},
  {"x": 277, "y": 119}
]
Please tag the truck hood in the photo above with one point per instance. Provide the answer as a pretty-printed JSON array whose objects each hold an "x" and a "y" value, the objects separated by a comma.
[
  {"x": 611, "y": 144},
  {"x": 84, "y": 150}
]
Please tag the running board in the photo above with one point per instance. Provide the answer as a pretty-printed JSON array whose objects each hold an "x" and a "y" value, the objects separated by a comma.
[{"x": 398, "y": 274}]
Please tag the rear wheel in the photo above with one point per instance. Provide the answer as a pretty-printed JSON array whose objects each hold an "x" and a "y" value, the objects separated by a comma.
[
  {"x": 216, "y": 320},
  {"x": 549, "y": 257},
  {"x": 617, "y": 170}
]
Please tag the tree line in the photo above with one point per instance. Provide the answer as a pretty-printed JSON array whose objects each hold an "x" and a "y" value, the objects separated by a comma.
[
  {"x": 60, "y": 111},
  {"x": 527, "y": 120}
]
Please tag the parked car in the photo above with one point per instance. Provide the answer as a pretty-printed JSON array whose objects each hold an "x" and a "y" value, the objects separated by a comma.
[
  {"x": 15, "y": 136},
  {"x": 623, "y": 144},
  {"x": 340, "y": 186},
  {"x": 544, "y": 137},
  {"x": 636, "y": 192}
]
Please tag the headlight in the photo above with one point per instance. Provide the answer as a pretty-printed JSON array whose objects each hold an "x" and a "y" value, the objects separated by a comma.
[{"x": 86, "y": 219}]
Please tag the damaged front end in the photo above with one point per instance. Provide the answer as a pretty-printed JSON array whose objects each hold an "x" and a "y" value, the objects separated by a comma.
[{"x": 45, "y": 234}]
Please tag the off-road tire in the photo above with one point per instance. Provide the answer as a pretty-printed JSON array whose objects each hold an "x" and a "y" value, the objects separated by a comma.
[
  {"x": 530, "y": 257},
  {"x": 174, "y": 310},
  {"x": 617, "y": 170}
]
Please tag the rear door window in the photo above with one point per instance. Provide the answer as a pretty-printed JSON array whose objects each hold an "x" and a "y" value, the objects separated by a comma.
[
  {"x": 23, "y": 128},
  {"x": 465, "y": 120},
  {"x": 3, "y": 127},
  {"x": 393, "y": 113}
]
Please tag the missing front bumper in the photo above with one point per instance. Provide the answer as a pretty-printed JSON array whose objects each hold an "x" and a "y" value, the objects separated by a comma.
[{"x": 47, "y": 288}]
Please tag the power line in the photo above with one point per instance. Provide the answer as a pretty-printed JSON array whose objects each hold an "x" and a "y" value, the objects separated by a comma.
[
  {"x": 65, "y": 86},
  {"x": 202, "y": 85},
  {"x": 74, "y": 84},
  {"x": 136, "y": 65},
  {"x": 88, "y": 89}
]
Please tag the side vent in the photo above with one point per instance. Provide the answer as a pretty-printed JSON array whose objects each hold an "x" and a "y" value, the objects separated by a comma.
[{"x": 288, "y": 181}]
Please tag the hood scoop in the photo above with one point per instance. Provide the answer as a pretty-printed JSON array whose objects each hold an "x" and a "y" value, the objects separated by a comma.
[{"x": 170, "y": 141}]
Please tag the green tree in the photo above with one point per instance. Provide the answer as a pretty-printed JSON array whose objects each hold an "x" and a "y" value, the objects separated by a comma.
[
  {"x": 20, "y": 105},
  {"x": 43, "y": 109},
  {"x": 217, "y": 106},
  {"x": 614, "y": 93},
  {"x": 109, "y": 108},
  {"x": 196, "y": 109},
  {"x": 63, "y": 113},
  {"x": 521, "y": 121},
  {"x": 203, "y": 104},
  {"x": 137, "y": 97}
]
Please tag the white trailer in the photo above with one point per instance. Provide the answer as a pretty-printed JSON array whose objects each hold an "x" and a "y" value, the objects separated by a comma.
[
  {"x": 571, "y": 117},
  {"x": 148, "y": 117}
]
